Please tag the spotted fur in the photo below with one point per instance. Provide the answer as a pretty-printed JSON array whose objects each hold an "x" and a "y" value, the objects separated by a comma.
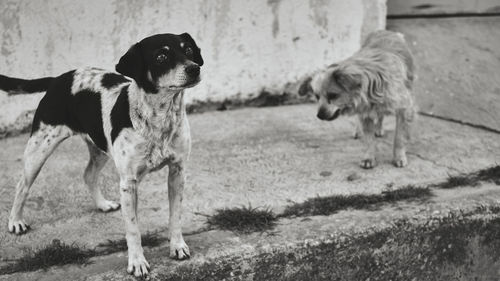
[{"x": 136, "y": 116}]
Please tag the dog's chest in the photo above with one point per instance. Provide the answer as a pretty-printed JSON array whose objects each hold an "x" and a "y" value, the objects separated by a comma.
[
  {"x": 159, "y": 124},
  {"x": 161, "y": 135}
]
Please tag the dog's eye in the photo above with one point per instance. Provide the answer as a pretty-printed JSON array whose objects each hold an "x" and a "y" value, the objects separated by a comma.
[
  {"x": 317, "y": 96},
  {"x": 161, "y": 58},
  {"x": 189, "y": 51},
  {"x": 333, "y": 96}
]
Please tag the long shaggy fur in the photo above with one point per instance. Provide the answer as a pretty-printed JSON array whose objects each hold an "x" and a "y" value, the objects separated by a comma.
[{"x": 376, "y": 81}]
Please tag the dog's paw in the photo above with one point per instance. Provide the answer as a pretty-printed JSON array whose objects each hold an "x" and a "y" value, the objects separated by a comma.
[
  {"x": 357, "y": 135},
  {"x": 179, "y": 250},
  {"x": 400, "y": 162},
  {"x": 18, "y": 227},
  {"x": 108, "y": 206},
  {"x": 368, "y": 163},
  {"x": 379, "y": 133},
  {"x": 138, "y": 265}
]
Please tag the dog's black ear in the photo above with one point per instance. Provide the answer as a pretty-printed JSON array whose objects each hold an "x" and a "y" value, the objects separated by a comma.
[
  {"x": 131, "y": 64},
  {"x": 348, "y": 82},
  {"x": 196, "y": 50},
  {"x": 306, "y": 88}
]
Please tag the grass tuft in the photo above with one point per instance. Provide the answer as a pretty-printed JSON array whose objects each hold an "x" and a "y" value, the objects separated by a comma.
[
  {"x": 332, "y": 204},
  {"x": 243, "y": 219},
  {"x": 55, "y": 253},
  {"x": 491, "y": 174}
]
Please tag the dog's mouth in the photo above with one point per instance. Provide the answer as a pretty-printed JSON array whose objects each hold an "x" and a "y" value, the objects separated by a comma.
[
  {"x": 323, "y": 116},
  {"x": 188, "y": 84},
  {"x": 346, "y": 110}
]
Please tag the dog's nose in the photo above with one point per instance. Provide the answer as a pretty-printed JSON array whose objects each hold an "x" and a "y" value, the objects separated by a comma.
[
  {"x": 325, "y": 115},
  {"x": 193, "y": 70},
  {"x": 321, "y": 115}
]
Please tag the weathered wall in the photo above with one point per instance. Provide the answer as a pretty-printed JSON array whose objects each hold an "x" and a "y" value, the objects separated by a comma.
[{"x": 248, "y": 46}]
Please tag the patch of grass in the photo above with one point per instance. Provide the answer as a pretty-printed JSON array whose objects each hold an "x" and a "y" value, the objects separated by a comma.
[
  {"x": 55, "y": 253},
  {"x": 150, "y": 239},
  {"x": 264, "y": 99},
  {"x": 59, "y": 253},
  {"x": 243, "y": 219},
  {"x": 332, "y": 204},
  {"x": 441, "y": 249},
  {"x": 491, "y": 174}
]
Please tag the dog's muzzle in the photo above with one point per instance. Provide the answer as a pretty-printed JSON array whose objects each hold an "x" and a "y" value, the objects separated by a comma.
[
  {"x": 325, "y": 114},
  {"x": 193, "y": 71}
]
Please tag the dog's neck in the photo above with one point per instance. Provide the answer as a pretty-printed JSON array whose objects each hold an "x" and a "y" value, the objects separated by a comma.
[{"x": 156, "y": 116}]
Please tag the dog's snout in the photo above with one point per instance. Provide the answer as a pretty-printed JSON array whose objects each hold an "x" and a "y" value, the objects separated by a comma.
[
  {"x": 325, "y": 114},
  {"x": 321, "y": 115},
  {"x": 193, "y": 70}
]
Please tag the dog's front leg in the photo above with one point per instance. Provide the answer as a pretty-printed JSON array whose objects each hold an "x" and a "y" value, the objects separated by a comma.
[
  {"x": 176, "y": 178},
  {"x": 137, "y": 263},
  {"x": 368, "y": 138},
  {"x": 379, "y": 128},
  {"x": 401, "y": 137}
]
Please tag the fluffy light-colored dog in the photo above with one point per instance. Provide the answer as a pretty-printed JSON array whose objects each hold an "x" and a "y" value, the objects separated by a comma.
[{"x": 374, "y": 82}]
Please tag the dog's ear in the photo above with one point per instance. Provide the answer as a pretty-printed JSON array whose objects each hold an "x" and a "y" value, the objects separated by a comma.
[
  {"x": 196, "y": 50},
  {"x": 348, "y": 82},
  {"x": 131, "y": 64},
  {"x": 305, "y": 88}
]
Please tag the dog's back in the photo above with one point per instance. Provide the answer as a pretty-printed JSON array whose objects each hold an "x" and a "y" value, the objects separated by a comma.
[{"x": 393, "y": 42}]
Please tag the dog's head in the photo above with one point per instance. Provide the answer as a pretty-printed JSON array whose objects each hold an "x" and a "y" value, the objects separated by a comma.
[
  {"x": 338, "y": 90},
  {"x": 163, "y": 61}
]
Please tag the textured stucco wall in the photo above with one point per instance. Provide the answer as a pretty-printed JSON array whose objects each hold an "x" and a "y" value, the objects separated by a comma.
[{"x": 248, "y": 46}]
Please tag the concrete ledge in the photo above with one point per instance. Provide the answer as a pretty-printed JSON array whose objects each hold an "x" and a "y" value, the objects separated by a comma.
[
  {"x": 431, "y": 245},
  {"x": 459, "y": 245}
]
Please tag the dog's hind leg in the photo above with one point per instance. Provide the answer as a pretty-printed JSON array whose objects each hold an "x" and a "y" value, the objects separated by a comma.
[
  {"x": 368, "y": 125},
  {"x": 40, "y": 145},
  {"x": 96, "y": 162},
  {"x": 379, "y": 128},
  {"x": 401, "y": 137}
]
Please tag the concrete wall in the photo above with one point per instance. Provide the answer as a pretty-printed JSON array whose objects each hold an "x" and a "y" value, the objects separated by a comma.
[{"x": 248, "y": 46}]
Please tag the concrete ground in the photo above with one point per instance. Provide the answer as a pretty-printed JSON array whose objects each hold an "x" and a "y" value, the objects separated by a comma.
[
  {"x": 457, "y": 66},
  {"x": 265, "y": 157},
  {"x": 275, "y": 157}
]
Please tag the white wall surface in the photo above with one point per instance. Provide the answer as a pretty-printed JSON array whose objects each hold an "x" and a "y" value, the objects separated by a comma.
[{"x": 248, "y": 46}]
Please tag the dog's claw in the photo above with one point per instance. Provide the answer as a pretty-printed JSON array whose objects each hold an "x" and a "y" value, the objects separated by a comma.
[
  {"x": 400, "y": 163},
  {"x": 18, "y": 227},
  {"x": 138, "y": 266},
  {"x": 368, "y": 163},
  {"x": 182, "y": 255},
  {"x": 180, "y": 251}
]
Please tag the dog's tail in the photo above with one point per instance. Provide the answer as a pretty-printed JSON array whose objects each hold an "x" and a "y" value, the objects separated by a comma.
[{"x": 17, "y": 86}]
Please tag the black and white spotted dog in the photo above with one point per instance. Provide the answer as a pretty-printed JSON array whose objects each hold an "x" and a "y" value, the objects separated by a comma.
[{"x": 136, "y": 116}]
